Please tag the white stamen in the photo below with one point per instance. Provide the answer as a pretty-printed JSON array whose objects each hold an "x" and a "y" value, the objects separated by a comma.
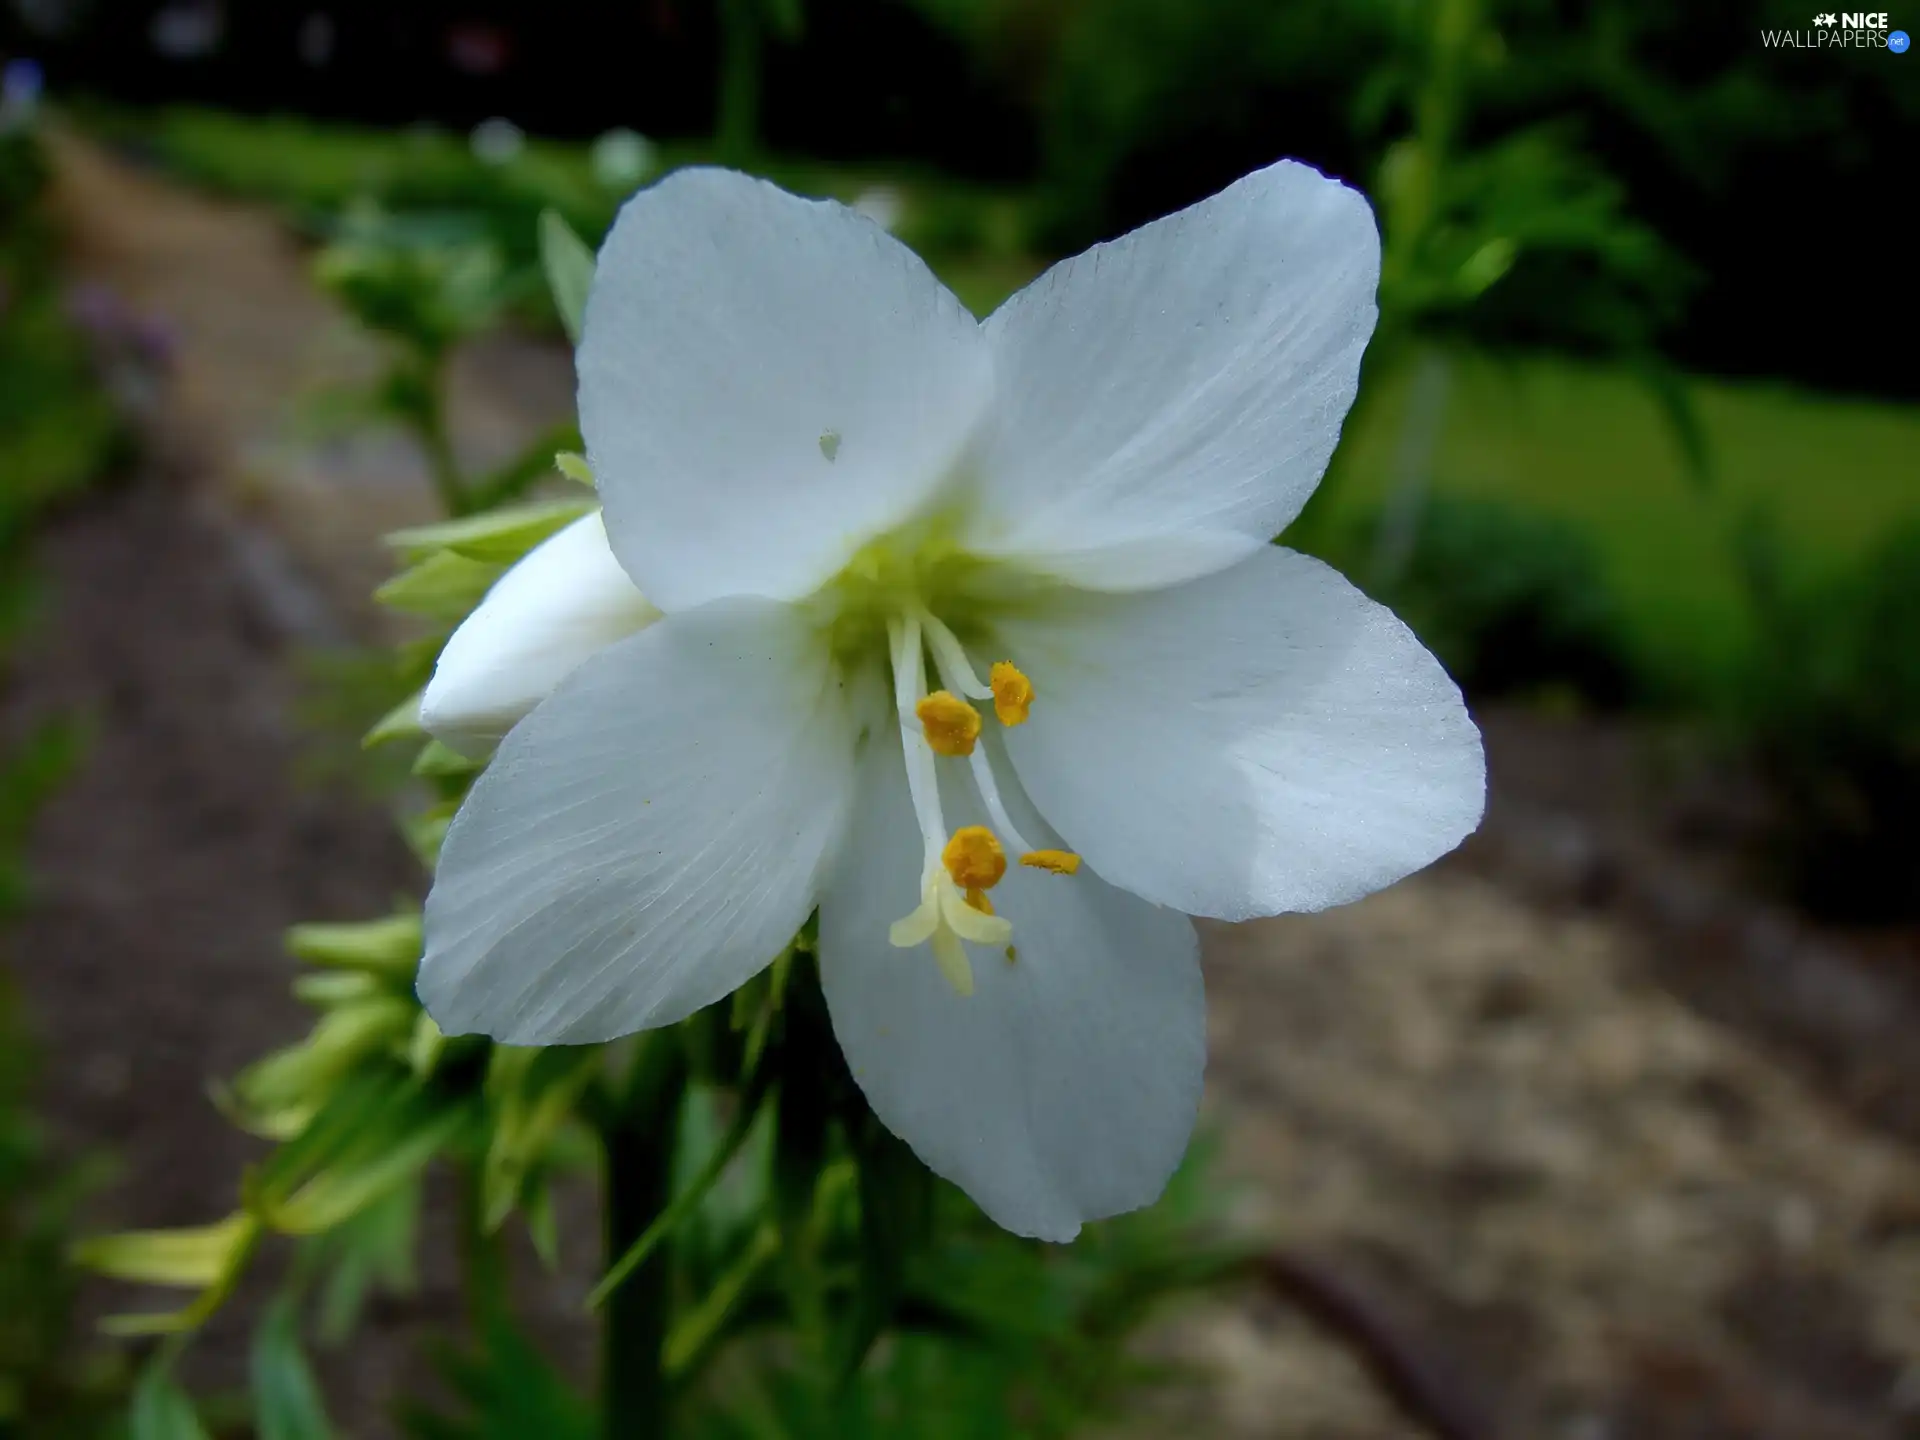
[{"x": 956, "y": 673}]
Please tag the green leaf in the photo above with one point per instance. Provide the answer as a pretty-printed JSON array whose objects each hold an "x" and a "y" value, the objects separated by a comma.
[
  {"x": 373, "y": 1249},
  {"x": 427, "y": 831},
  {"x": 682, "y": 1206},
  {"x": 287, "y": 1404},
  {"x": 161, "y": 1410},
  {"x": 696, "y": 1331},
  {"x": 400, "y": 723},
  {"x": 508, "y": 1391},
  {"x": 498, "y": 537},
  {"x": 444, "y": 586},
  {"x": 376, "y": 1131},
  {"x": 569, "y": 266},
  {"x": 574, "y": 467},
  {"x": 390, "y": 1155},
  {"x": 533, "y": 1093},
  {"x": 438, "y": 761},
  {"x": 333, "y": 988},
  {"x": 306, "y": 1074}
]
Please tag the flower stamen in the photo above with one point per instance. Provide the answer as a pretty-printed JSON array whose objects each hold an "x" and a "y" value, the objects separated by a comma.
[
  {"x": 1055, "y": 862},
  {"x": 974, "y": 859},
  {"x": 950, "y": 658},
  {"x": 1012, "y": 693},
  {"x": 950, "y": 724}
]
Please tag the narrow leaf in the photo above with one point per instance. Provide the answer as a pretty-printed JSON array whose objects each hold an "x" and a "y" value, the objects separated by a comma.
[
  {"x": 569, "y": 266},
  {"x": 287, "y": 1404}
]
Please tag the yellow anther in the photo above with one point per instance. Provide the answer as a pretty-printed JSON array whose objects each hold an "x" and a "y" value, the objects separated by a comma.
[
  {"x": 950, "y": 723},
  {"x": 974, "y": 859},
  {"x": 1012, "y": 693},
  {"x": 977, "y": 899},
  {"x": 1058, "y": 862}
]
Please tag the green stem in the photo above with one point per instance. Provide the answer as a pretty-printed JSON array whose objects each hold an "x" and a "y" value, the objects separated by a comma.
[
  {"x": 639, "y": 1143},
  {"x": 423, "y": 388},
  {"x": 483, "y": 1261}
]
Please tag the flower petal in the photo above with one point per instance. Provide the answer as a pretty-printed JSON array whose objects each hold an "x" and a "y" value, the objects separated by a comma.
[
  {"x": 1167, "y": 402},
  {"x": 1263, "y": 740},
  {"x": 565, "y": 601},
  {"x": 1065, "y": 1087},
  {"x": 648, "y": 838},
  {"x": 765, "y": 383}
]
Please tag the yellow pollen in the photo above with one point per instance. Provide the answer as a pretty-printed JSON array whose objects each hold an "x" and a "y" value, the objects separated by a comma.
[
  {"x": 974, "y": 859},
  {"x": 1058, "y": 862},
  {"x": 1012, "y": 693},
  {"x": 977, "y": 898},
  {"x": 950, "y": 723}
]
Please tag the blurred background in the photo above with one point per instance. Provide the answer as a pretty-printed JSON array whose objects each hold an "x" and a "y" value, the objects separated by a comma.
[{"x": 1604, "y": 1129}]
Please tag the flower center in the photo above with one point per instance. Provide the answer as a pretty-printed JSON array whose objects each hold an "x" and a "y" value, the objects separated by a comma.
[{"x": 957, "y": 870}]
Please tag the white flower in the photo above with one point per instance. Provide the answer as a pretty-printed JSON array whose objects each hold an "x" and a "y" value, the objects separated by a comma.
[{"x": 852, "y": 502}]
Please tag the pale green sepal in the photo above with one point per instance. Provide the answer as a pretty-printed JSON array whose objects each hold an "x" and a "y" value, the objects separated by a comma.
[
  {"x": 389, "y": 947},
  {"x": 333, "y": 988},
  {"x": 426, "y": 1046},
  {"x": 499, "y": 537},
  {"x": 191, "y": 1259},
  {"x": 437, "y": 761},
  {"x": 425, "y": 832},
  {"x": 401, "y": 722},
  {"x": 247, "y": 1231},
  {"x": 444, "y": 586},
  {"x": 569, "y": 265}
]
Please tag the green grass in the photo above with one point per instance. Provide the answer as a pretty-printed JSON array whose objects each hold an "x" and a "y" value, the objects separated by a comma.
[{"x": 1591, "y": 445}]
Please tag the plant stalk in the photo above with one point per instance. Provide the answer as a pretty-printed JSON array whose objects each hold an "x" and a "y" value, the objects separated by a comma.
[{"x": 639, "y": 1144}]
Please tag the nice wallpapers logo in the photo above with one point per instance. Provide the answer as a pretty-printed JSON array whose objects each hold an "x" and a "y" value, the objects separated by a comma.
[{"x": 1848, "y": 30}]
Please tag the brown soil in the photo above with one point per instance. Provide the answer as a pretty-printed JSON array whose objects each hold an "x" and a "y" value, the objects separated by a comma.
[{"x": 1586, "y": 1139}]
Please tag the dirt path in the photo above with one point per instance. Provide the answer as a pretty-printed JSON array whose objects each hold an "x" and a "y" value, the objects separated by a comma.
[
  {"x": 1596, "y": 1214},
  {"x": 180, "y": 605}
]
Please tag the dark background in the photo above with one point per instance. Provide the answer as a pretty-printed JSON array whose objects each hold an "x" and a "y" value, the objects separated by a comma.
[{"x": 1780, "y": 179}]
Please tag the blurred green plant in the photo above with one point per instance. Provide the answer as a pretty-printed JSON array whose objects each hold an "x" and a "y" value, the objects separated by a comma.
[
  {"x": 1830, "y": 712},
  {"x": 1516, "y": 604},
  {"x": 424, "y": 285}
]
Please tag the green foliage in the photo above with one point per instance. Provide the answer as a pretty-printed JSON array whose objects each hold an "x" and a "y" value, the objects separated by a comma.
[
  {"x": 505, "y": 1390},
  {"x": 50, "y": 1388},
  {"x": 287, "y": 1404},
  {"x": 1590, "y": 447},
  {"x": 320, "y": 172},
  {"x": 1511, "y": 601},
  {"x": 56, "y": 434},
  {"x": 1831, "y": 712}
]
